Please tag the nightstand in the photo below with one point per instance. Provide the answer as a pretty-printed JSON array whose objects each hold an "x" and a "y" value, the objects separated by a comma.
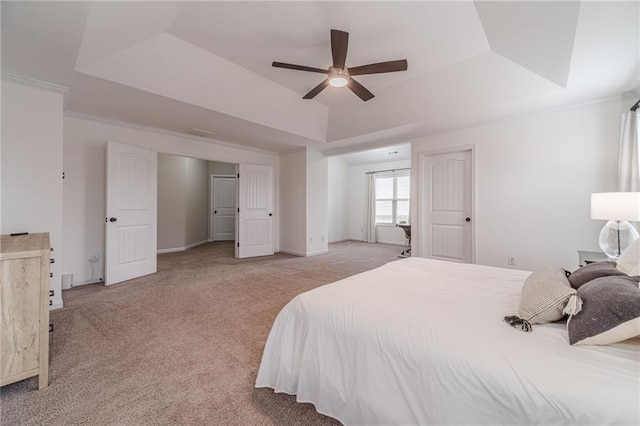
[{"x": 586, "y": 257}]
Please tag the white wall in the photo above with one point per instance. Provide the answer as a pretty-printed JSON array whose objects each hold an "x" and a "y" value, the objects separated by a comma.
[
  {"x": 338, "y": 199},
  {"x": 197, "y": 208},
  {"x": 534, "y": 178},
  {"x": 304, "y": 198},
  {"x": 217, "y": 168},
  {"x": 84, "y": 189},
  {"x": 32, "y": 168},
  {"x": 357, "y": 203},
  {"x": 293, "y": 208},
  {"x": 183, "y": 187},
  {"x": 171, "y": 201},
  {"x": 317, "y": 203}
]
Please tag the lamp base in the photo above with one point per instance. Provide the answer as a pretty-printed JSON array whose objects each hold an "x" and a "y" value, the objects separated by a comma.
[{"x": 616, "y": 236}]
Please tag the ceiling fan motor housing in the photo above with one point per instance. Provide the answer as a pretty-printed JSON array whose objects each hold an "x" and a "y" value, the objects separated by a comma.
[{"x": 338, "y": 77}]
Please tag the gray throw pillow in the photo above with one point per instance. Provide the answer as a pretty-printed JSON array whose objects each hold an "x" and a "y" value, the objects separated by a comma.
[
  {"x": 610, "y": 312},
  {"x": 592, "y": 271},
  {"x": 546, "y": 297}
]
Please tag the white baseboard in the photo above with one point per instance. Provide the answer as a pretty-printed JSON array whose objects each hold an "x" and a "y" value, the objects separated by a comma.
[
  {"x": 393, "y": 243},
  {"x": 170, "y": 250},
  {"x": 315, "y": 253},
  {"x": 301, "y": 254},
  {"x": 97, "y": 281},
  {"x": 295, "y": 253},
  {"x": 199, "y": 243},
  {"x": 339, "y": 240},
  {"x": 175, "y": 249},
  {"x": 55, "y": 306}
]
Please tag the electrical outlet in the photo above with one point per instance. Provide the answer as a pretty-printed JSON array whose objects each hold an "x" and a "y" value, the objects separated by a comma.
[
  {"x": 67, "y": 281},
  {"x": 511, "y": 260},
  {"x": 95, "y": 258},
  {"x": 322, "y": 238},
  {"x": 310, "y": 240}
]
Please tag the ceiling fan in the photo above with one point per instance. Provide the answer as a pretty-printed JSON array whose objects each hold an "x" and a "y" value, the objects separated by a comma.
[{"x": 339, "y": 75}]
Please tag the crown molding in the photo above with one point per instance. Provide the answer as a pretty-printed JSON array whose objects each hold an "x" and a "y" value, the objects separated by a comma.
[
  {"x": 27, "y": 81},
  {"x": 113, "y": 122},
  {"x": 410, "y": 137},
  {"x": 38, "y": 84}
]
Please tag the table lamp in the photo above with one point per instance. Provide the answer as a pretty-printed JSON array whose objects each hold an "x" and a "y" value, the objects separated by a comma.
[{"x": 617, "y": 208}]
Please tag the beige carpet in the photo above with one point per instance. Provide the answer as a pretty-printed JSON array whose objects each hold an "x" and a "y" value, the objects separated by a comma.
[{"x": 181, "y": 346}]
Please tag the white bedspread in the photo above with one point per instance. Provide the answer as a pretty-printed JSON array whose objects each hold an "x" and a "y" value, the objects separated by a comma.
[{"x": 421, "y": 341}]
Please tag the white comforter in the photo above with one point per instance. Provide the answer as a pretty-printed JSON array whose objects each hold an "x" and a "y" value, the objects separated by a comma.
[{"x": 421, "y": 341}]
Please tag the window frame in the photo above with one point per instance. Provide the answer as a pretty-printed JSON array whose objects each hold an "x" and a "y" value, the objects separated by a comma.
[{"x": 395, "y": 199}]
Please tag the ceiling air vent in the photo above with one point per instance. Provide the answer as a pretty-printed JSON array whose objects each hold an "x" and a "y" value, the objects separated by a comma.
[{"x": 200, "y": 132}]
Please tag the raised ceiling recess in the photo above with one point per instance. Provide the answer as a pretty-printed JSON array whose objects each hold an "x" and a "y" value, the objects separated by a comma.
[{"x": 208, "y": 65}]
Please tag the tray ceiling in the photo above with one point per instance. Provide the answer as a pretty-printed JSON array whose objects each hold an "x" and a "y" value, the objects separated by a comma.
[{"x": 179, "y": 65}]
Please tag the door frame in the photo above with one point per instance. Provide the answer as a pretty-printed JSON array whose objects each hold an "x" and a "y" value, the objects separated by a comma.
[
  {"x": 211, "y": 207},
  {"x": 276, "y": 188},
  {"x": 418, "y": 243}
]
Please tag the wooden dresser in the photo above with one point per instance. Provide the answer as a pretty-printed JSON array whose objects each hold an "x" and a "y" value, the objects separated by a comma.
[{"x": 24, "y": 303}]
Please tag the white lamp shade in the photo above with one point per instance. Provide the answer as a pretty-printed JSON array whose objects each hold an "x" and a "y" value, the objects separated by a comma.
[{"x": 615, "y": 206}]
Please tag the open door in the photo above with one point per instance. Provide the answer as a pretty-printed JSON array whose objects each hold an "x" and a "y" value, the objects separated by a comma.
[
  {"x": 255, "y": 214},
  {"x": 131, "y": 216}
]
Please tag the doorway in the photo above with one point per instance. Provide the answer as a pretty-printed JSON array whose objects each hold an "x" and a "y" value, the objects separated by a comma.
[{"x": 173, "y": 215}]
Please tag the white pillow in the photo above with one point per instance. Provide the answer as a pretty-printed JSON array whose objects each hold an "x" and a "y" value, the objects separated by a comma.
[{"x": 629, "y": 260}]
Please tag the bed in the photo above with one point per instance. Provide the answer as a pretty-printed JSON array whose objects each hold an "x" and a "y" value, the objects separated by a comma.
[{"x": 422, "y": 341}]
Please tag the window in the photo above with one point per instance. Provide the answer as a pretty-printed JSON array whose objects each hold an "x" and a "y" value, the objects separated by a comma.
[{"x": 392, "y": 198}]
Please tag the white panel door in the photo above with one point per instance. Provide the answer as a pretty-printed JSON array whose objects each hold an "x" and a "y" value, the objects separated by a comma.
[
  {"x": 255, "y": 218},
  {"x": 447, "y": 223},
  {"x": 131, "y": 217},
  {"x": 223, "y": 208}
]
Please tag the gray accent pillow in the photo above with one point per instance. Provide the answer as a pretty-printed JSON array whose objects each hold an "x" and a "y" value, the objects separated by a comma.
[
  {"x": 544, "y": 295},
  {"x": 610, "y": 312},
  {"x": 592, "y": 271}
]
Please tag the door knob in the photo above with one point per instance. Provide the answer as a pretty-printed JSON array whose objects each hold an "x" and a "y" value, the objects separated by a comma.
[
  {"x": 215, "y": 212},
  {"x": 468, "y": 219},
  {"x": 113, "y": 219}
]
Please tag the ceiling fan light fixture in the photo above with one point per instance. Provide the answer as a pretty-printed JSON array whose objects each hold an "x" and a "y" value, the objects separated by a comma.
[
  {"x": 338, "y": 77},
  {"x": 338, "y": 81}
]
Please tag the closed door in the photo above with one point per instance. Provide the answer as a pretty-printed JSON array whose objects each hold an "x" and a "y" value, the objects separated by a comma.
[
  {"x": 223, "y": 208},
  {"x": 131, "y": 217},
  {"x": 255, "y": 218},
  {"x": 446, "y": 222}
]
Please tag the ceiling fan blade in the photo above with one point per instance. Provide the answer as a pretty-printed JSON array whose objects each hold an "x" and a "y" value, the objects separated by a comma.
[
  {"x": 357, "y": 88},
  {"x": 319, "y": 88},
  {"x": 339, "y": 44},
  {"x": 380, "y": 67},
  {"x": 298, "y": 67}
]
